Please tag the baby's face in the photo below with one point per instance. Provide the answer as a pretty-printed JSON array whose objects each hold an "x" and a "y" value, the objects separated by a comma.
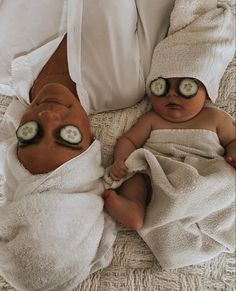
[
  {"x": 58, "y": 114},
  {"x": 176, "y": 108}
]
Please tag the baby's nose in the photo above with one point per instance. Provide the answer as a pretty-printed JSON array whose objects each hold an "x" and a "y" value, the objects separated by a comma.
[{"x": 172, "y": 93}]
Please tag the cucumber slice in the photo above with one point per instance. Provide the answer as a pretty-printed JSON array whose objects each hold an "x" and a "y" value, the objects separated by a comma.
[
  {"x": 159, "y": 86},
  {"x": 27, "y": 131},
  {"x": 71, "y": 134},
  {"x": 188, "y": 87}
]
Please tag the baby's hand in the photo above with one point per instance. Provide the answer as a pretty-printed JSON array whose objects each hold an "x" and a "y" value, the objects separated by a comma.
[{"x": 118, "y": 170}]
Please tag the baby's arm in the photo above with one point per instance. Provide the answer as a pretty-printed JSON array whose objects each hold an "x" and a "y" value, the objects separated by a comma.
[
  {"x": 227, "y": 134},
  {"x": 230, "y": 156},
  {"x": 127, "y": 143}
]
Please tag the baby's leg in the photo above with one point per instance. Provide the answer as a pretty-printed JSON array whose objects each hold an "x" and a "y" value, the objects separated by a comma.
[{"x": 128, "y": 204}]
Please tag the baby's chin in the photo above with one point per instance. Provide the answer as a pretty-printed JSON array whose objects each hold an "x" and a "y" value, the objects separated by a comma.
[{"x": 178, "y": 118}]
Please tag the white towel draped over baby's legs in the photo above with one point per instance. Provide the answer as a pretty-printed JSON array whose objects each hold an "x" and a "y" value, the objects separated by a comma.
[{"x": 191, "y": 216}]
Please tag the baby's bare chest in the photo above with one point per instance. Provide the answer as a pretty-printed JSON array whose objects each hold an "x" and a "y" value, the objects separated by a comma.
[{"x": 204, "y": 120}]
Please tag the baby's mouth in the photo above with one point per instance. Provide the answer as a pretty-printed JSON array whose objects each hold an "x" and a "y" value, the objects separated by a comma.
[{"x": 173, "y": 106}]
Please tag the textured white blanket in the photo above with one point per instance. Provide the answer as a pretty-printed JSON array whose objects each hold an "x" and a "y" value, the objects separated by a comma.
[
  {"x": 53, "y": 230},
  {"x": 190, "y": 218}
]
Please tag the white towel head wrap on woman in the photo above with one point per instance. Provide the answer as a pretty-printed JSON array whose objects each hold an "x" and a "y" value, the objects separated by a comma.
[{"x": 53, "y": 230}]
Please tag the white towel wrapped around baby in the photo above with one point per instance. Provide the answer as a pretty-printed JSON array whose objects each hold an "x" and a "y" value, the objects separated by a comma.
[
  {"x": 191, "y": 216},
  {"x": 53, "y": 230}
]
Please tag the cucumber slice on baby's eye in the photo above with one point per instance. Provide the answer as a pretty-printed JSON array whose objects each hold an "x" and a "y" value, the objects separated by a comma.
[
  {"x": 158, "y": 87},
  {"x": 188, "y": 87},
  {"x": 71, "y": 134},
  {"x": 27, "y": 131}
]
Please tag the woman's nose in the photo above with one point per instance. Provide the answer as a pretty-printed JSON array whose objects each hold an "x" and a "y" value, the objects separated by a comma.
[{"x": 49, "y": 116}]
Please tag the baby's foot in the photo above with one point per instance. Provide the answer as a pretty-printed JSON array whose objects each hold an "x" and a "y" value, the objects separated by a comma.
[{"x": 127, "y": 212}]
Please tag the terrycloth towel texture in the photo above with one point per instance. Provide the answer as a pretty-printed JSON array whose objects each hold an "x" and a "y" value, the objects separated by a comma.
[
  {"x": 10, "y": 122},
  {"x": 191, "y": 217},
  {"x": 199, "y": 46},
  {"x": 53, "y": 230}
]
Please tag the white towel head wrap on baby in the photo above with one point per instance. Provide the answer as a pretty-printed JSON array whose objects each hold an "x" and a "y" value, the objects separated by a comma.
[
  {"x": 191, "y": 50},
  {"x": 53, "y": 230}
]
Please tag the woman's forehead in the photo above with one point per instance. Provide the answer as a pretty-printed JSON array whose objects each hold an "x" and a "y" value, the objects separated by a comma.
[{"x": 38, "y": 158}]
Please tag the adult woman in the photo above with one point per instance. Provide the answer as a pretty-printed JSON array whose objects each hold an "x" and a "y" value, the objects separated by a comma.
[{"x": 55, "y": 196}]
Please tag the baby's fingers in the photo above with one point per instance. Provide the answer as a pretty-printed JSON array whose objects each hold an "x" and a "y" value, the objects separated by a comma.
[
  {"x": 116, "y": 175},
  {"x": 118, "y": 171}
]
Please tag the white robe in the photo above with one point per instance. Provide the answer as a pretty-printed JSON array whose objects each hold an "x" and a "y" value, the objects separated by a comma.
[{"x": 110, "y": 45}]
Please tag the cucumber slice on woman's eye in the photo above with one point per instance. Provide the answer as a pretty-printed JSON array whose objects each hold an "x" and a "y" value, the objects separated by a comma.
[
  {"x": 188, "y": 87},
  {"x": 158, "y": 87},
  {"x": 71, "y": 134},
  {"x": 27, "y": 131}
]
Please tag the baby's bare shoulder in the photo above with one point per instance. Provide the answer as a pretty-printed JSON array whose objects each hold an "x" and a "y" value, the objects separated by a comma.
[
  {"x": 149, "y": 119},
  {"x": 153, "y": 115},
  {"x": 148, "y": 116},
  {"x": 217, "y": 115},
  {"x": 212, "y": 112}
]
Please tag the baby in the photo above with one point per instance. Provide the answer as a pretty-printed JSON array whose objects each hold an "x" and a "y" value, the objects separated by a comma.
[
  {"x": 177, "y": 103},
  {"x": 185, "y": 148}
]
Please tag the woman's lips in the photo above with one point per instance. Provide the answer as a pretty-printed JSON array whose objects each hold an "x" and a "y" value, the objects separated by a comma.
[{"x": 54, "y": 101}]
